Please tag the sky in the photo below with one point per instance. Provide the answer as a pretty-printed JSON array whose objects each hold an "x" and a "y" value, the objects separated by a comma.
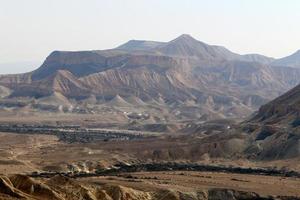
[{"x": 31, "y": 29}]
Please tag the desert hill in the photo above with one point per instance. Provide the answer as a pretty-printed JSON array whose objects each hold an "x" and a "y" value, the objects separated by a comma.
[
  {"x": 283, "y": 108},
  {"x": 274, "y": 129}
]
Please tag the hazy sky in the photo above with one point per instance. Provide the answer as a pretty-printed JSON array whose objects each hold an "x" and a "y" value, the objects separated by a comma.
[{"x": 31, "y": 29}]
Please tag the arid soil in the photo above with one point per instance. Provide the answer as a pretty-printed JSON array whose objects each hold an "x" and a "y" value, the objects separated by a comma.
[
  {"x": 22, "y": 153},
  {"x": 151, "y": 186},
  {"x": 194, "y": 181},
  {"x": 25, "y": 154}
]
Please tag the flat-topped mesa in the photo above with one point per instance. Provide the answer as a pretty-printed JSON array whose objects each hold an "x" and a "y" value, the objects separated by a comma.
[
  {"x": 78, "y": 63},
  {"x": 139, "y": 45},
  {"x": 181, "y": 70}
]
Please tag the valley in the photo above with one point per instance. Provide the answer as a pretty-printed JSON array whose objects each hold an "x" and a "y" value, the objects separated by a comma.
[
  {"x": 119, "y": 169},
  {"x": 180, "y": 120}
]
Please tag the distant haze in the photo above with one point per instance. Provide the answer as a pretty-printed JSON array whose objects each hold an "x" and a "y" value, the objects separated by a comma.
[
  {"x": 18, "y": 67},
  {"x": 31, "y": 29}
]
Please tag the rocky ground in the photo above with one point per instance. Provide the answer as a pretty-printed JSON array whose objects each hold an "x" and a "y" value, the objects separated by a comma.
[
  {"x": 151, "y": 186},
  {"x": 27, "y": 154}
]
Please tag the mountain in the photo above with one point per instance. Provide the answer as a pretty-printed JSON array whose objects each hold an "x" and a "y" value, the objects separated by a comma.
[
  {"x": 258, "y": 58},
  {"x": 139, "y": 45},
  {"x": 184, "y": 76},
  {"x": 284, "y": 108},
  {"x": 78, "y": 63},
  {"x": 291, "y": 61},
  {"x": 187, "y": 46},
  {"x": 274, "y": 129}
]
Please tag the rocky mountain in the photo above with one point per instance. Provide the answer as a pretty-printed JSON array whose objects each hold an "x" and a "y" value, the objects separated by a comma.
[
  {"x": 183, "y": 74},
  {"x": 78, "y": 63},
  {"x": 291, "y": 61},
  {"x": 284, "y": 108},
  {"x": 187, "y": 46},
  {"x": 274, "y": 130},
  {"x": 258, "y": 58}
]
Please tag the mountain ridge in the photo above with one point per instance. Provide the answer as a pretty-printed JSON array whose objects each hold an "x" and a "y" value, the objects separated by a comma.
[
  {"x": 175, "y": 72},
  {"x": 290, "y": 61}
]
